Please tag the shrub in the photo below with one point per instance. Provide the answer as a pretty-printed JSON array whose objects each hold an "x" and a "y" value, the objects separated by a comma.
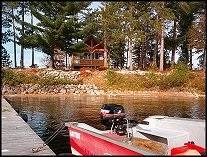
[
  {"x": 120, "y": 81},
  {"x": 33, "y": 79},
  {"x": 112, "y": 77},
  {"x": 8, "y": 77},
  {"x": 11, "y": 78},
  {"x": 151, "y": 80},
  {"x": 47, "y": 81},
  {"x": 198, "y": 83},
  {"x": 67, "y": 81},
  {"x": 20, "y": 78},
  {"x": 179, "y": 77}
]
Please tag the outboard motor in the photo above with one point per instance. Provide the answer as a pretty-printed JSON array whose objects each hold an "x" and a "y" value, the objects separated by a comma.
[{"x": 111, "y": 112}]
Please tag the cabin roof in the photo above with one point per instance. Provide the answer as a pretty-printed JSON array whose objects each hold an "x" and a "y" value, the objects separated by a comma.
[{"x": 93, "y": 43}]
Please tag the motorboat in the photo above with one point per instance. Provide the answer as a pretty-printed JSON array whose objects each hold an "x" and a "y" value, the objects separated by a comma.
[{"x": 155, "y": 135}]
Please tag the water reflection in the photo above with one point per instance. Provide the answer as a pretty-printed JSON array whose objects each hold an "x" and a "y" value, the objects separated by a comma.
[{"x": 45, "y": 113}]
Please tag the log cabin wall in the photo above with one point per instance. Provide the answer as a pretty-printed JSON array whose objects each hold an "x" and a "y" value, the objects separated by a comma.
[{"x": 93, "y": 56}]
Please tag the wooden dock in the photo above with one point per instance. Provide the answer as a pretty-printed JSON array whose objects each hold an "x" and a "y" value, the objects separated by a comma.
[{"x": 17, "y": 136}]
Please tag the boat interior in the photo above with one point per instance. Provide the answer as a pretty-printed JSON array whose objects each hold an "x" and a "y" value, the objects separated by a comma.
[{"x": 145, "y": 144}]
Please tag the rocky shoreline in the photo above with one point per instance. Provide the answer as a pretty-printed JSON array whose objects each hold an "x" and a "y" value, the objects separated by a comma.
[
  {"x": 81, "y": 89},
  {"x": 30, "y": 89},
  {"x": 52, "y": 89}
]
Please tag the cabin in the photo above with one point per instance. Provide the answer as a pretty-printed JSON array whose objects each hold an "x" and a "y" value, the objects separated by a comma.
[{"x": 92, "y": 56}]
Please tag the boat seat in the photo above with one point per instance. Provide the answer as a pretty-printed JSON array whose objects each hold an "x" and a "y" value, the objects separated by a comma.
[
  {"x": 172, "y": 137},
  {"x": 155, "y": 147}
]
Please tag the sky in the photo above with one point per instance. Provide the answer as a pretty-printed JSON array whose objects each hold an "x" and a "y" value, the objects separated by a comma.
[{"x": 39, "y": 56}]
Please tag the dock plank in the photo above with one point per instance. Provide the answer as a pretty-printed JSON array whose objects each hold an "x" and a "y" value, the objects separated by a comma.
[{"x": 17, "y": 136}]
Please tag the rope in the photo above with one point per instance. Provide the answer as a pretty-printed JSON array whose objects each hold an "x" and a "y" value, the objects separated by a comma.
[{"x": 35, "y": 150}]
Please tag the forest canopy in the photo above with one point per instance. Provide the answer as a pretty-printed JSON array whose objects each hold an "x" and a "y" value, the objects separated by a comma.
[{"x": 139, "y": 34}]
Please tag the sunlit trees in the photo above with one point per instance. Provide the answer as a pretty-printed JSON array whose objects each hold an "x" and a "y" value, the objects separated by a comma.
[
  {"x": 147, "y": 34},
  {"x": 196, "y": 35}
]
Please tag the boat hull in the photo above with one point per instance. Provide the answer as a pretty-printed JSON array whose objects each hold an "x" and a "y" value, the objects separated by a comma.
[
  {"x": 84, "y": 142},
  {"x": 159, "y": 137}
]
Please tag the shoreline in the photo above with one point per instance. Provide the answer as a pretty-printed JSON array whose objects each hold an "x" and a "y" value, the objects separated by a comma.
[{"x": 129, "y": 93}]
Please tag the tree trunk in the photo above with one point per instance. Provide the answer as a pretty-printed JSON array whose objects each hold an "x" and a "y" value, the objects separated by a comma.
[
  {"x": 154, "y": 63},
  {"x": 130, "y": 48},
  {"x": 162, "y": 47},
  {"x": 105, "y": 41},
  {"x": 22, "y": 48},
  {"x": 32, "y": 48},
  {"x": 130, "y": 38},
  {"x": 142, "y": 56},
  {"x": 191, "y": 63},
  {"x": 127, "y": 57},
  {"x": 66, "y": 60},
  {"x": 15, "y": 50},
  {"x": 52, "y": 65},
  {"x": 204, "y": 60},
  {"x": 146, "y": 53},
  {"x": 33, "y": 57},
  {"x": 174, "y": 46}
]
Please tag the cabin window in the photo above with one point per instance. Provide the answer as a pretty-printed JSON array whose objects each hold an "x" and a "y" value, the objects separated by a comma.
[
  {"x": 87, "y": 56},
  {"x": 98, "y": 56}
]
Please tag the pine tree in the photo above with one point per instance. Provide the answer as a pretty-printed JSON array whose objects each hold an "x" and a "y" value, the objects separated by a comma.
[
  {"x": 184, "y": 22},
  {"x": 12, "y": 6},
  {"x": 58, "y": 27},
  {"x": 6, "y": 34},
  {"x": 116, "y": 35},
  {"x": 5, "y": 58},
  {"x": 164, "y": 13},
  {"x": 196, "y": 35},
  {"x": 129, "y": 9}
]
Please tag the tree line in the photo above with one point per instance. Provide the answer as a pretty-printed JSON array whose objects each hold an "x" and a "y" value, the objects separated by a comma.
[{"x": 138, "y": 34}]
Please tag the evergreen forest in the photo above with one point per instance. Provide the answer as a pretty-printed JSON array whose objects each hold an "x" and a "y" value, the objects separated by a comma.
[{"x": 139, "y": 34}]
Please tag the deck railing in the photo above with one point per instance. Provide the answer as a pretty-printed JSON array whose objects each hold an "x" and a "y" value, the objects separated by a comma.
[{"x": 87, "y": 62}]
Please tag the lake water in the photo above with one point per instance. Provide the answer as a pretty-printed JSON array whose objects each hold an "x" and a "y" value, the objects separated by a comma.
[{"x": 45, "y": 113}]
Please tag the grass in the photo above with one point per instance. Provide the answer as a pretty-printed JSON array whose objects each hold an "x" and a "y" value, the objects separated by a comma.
[{"x": 181, "y": 79}]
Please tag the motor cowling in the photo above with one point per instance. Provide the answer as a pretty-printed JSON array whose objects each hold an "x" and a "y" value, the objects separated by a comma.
[{"x": 110, "y": 112}]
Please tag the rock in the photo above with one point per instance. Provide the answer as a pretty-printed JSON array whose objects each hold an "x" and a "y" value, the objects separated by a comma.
[
  {"x": 63, "y": 91},
  {"x": 77, "y": 92},
  {"x": 97, "y": 92},
  {"x": 54, "y": 89},
  {"x": 5, "y": 89}
]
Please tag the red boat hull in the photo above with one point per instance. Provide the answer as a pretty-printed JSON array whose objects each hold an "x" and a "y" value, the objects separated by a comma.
[
  {"x": 93, "y": 142},
  {"x": 87, "y": 144}
]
